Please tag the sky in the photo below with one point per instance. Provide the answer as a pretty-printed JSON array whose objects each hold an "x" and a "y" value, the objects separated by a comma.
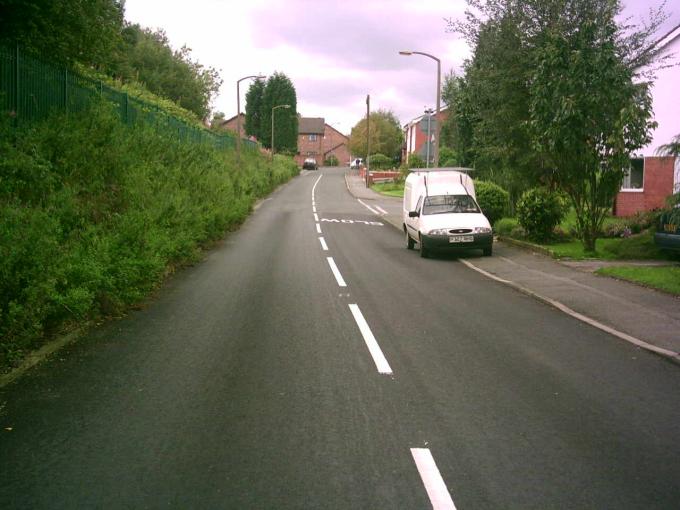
[{"x": 337, "y": 52}]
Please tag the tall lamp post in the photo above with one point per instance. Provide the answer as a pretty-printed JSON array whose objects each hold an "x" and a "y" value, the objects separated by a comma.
[
  {"x": 238, "y": 112},
  {"x": 279, "y": 106},
  {"x": 429, "y": 112},
  {"x": 439, "y": 95}
]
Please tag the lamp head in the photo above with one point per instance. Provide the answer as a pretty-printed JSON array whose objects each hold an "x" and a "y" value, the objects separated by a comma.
[{"x": 406, "y": 53}]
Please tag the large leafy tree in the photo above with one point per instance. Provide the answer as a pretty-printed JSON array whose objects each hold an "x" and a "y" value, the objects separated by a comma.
[
  {"x": 147, "y": 57},
  {"x": 671, "y": 148},
  {"x": 385, "y": 132},
  {"x": 587, "y": 112},
  {"x": 279, "y": 90},
  {"x": 66, "y": 31},
  {"x": 254, "y": 97}
]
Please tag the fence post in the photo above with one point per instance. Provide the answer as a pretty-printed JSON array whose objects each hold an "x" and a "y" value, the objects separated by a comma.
[
  {"x": 66, "y": 90},
  {"x": 16, "y": 85}
]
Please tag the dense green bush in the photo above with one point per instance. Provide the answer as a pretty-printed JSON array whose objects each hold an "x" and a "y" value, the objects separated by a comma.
[
  {"x": 493, "y": 200},
  {"x": 332, "y": 160},
  {"x": 447, "y": 157},
  {"x": 93, "y": 214},
  {"x": 504, "y": 226},
  {"x": 415, "y": 161},
  {"x": 539, "y": 211},
  {"x": 380, "y": 162}
]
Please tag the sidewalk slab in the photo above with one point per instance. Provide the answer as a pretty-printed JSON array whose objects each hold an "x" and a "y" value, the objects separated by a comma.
[{"x": 645, "y": 314}]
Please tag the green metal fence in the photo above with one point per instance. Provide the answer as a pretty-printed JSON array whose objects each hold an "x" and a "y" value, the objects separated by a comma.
[{"x": 31, "y": 90}]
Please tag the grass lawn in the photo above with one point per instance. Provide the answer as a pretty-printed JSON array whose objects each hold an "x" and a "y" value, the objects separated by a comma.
[
  {"x": 390, "y": 189},
  {"x": 664, "y": 278},
  {"x": 637, "y": 247}
]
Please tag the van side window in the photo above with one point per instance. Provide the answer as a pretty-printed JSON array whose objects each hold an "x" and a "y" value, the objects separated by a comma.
[{"x": 420, "y": 202}]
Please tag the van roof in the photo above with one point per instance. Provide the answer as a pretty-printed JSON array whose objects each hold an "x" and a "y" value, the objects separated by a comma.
[
  {"x": 443, "y": 169},
  {"x": 446, "y": 189}
]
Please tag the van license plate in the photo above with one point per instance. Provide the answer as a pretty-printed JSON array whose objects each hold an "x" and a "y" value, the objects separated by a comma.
[{"x": 461, "y": 239}]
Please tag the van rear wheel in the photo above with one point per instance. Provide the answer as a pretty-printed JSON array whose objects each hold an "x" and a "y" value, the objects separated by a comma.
[{"x": 410, "y": 243}]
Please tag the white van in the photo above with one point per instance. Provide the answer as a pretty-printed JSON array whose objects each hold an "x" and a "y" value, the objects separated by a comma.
[{"x": 440, "y": 211}]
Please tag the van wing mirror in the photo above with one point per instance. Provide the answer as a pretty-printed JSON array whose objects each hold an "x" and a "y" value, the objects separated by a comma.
[{"x": 413, "y": 214}]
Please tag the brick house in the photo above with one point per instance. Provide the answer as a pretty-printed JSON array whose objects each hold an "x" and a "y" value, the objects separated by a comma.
[
  {"x": 230, "y": 124},
  {"x": 318, "y": 140},
  {"x": 415, "y": 135},
  {"x": 647, "y": 184}
]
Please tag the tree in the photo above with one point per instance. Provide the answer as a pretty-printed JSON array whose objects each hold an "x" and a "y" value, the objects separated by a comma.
[
  {"x": 385, "y": 132},
  {"x": 64, "y": 31},
  {"x": 587, "y": 113},
  {"x": 253, "y": 125},
  {"x": 279, "y": 90},
  {"x": 148, "y": 58},
  {"x": 670, "y": 149}
]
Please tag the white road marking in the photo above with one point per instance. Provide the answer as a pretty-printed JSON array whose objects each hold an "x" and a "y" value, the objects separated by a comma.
[
  {"x": 336, "y": 272},
  {"x": 350, "y": 222},
  {"x": 313, "y": 208},
  {"x": 314, "y": 187},
  {"x": 318, "y": 228},
  {"x": 432, "y": 479},
  {"x": 369, "y": 207},
  {"x": 323, "y": 244},
  {"x": 381, "y": 209},
  {"x": 372, "y": 344},
  {"x": 316, "y": 217},
  {"x": 579, "y": 316}
]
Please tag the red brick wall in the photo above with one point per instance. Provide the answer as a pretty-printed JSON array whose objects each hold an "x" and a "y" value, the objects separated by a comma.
[
  {"x": 657, "y": 185},
  {"x": 333, "y": 138},
  {"x": 307, "y": 146}
]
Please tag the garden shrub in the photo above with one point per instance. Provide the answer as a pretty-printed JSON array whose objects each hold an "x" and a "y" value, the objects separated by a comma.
[
  {"x": 380, "y": 162},
  {"x": 493, "y": 200},
  {"x": 539, "y": 211},
  {"x": 504, "y": 226},
  {"x": 415, "y": 161},
  {"x": 332, "y": 160},
  {"x": 449, "y": 156}
]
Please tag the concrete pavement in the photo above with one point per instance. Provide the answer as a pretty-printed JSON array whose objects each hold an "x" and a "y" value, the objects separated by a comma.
[{"x": 644, "y": 317}]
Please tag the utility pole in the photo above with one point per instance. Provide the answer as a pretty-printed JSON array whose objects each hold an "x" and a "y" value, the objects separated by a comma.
[
  {"x": 429, "y": 112},
  {"x": 368, "y": 136}
]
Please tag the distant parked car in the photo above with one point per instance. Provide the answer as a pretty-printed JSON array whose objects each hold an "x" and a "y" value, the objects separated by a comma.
[
  {"x": 668, "y": 231},
  {"x": 356, "y": 163},
  {"x": 310, "y": 164}
]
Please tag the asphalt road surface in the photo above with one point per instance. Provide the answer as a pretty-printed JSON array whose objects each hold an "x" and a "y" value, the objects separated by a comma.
[{"x": 315, "y": 362}]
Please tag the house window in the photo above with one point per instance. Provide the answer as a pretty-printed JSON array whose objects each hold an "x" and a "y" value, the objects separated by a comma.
[
  {"x": 633, "y": 177},
  {"x": 312, "y": 138}
]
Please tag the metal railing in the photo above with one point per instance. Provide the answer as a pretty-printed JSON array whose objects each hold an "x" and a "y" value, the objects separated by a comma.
[{"x": 31, "y": 90}]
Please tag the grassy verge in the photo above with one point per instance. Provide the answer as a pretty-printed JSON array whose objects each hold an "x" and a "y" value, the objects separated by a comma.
[
  {"x": 94, "y": 214},
  {"x": 664, "y": 278},
  {"x": 636, "y": 247},
  {"x": 390, "y": 189}
]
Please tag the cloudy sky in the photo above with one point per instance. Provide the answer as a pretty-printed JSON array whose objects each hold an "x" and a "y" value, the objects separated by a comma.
[{"x": 336, "y": 52}]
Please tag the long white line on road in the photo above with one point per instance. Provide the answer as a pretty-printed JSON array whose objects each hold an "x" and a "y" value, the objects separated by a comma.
[
  {"x": 368, "y": 207},
  {"x": 318, "y": 228},
  {"x": 564, "y": 308},
  {"x": 316, "y": 217},
  {"x": 314, "y": 187},
  {"x": 336, "y": 272},
  {"x": 324, "y": 246},
  {"x": 381, "y": 209},
  {"x": 313, "y": 208},
  {"x": 432, "y": 479},
  {"x": 372, "y": 344}
]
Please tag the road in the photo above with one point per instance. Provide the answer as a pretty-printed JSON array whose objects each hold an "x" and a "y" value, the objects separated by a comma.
[{"x": 314, "y": 362}]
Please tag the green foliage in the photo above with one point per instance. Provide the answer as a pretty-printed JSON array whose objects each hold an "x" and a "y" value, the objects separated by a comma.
[
  {"x": 332, "y": 160},
  {"x": 415, "y": 161},
  {"x": 253, "y": 124},
  {"x": 65, "y": 31},
  {"x": 279, "y": 90},
  {"x": 539, "y": 211},
  {"x": 146, "y": 57},
  {"x": 505, "y": 226},
  {"x": 447, "y": 157},
  {"x": 493, "y": 200},
  {"x": 663, "y": 278},
  {"x": 670, "y": 149},
  {"x": 93, "y": 214},
  {"x": 386, "y": 135},
  {"x": 380, "y": 162}
]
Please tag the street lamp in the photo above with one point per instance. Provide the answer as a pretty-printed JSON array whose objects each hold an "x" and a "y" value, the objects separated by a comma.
[
  {"x": 439, "y": 95},
  {"x": 279, "y": 106},
  {"x": 429, "y": 112},
  {"x": 238, "y": 112}
]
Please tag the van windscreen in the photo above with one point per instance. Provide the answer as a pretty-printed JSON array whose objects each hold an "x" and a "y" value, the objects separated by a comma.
[{"x": 446, "y": 204}]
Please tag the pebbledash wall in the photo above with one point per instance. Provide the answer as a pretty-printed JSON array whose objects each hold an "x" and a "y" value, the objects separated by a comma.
[{"x": 660, "y": 179}]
